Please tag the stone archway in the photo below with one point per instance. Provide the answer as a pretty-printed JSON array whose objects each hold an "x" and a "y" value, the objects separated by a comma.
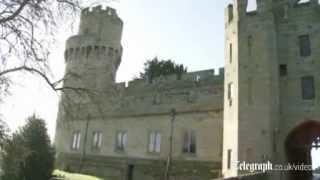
[{"x": 298, "y": 145}]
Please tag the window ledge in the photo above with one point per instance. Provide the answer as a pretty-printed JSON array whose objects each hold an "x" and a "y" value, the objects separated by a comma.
[
  {"x": 252, "y": 13},
  {"x": 75, "y": 150},
  {"x": 189, "y": 154},
  {"x": 95, "y": 150},
  {"x": 305, "y": 59},
  {"x": 120, "y": 151},
  {"x": 153, "y": 153},
  {"x": 308, "y": 101}
]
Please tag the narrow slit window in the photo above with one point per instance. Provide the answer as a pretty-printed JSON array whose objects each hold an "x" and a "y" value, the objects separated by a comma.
[
  {"x": 230, "y": 93},
  {"x": 230, "y": 53},
  {"x": 230, "y": 12},
  {"x": 250, "y": 45},
  {"x": 229, "y": 159},
  {"x": 250, "y": 91}
]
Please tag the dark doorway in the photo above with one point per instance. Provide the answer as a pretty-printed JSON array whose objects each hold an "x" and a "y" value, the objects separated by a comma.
[
  {"x": 130, "y": 172},
  {"x": 298, "y": 148}
]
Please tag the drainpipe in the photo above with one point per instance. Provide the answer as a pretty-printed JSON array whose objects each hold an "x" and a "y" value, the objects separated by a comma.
[
  {"x": 84, "y": 143},
  {"x": 169, "y": 160}
]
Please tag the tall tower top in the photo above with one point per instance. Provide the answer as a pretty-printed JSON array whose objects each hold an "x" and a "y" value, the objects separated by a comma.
[
  {"x": 95, "y": 52},
  {"x": 103, "y": 23}
]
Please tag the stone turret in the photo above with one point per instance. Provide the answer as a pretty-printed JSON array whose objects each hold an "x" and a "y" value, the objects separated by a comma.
[
  {"x": 269, "y": 50},
  {"x": 95, "y": 53},
  {"x": 251, "y": 84},
  {"x": 92, "y": 58},
  {"x": 103, "y": 23}
]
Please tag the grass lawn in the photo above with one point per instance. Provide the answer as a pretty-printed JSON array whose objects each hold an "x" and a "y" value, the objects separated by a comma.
[{"x": 73, "y": 176}]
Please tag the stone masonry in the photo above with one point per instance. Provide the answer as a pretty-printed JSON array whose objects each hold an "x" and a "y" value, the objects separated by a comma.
[
  {"x": 169, "y": 105},
  {"x": 263, "y": 106}
]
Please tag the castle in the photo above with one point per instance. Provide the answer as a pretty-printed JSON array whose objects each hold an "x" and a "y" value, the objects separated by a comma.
[{"x": 262, "y": 107}]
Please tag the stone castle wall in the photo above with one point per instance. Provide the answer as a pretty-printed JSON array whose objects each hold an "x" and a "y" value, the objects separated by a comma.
[
  {"x": 137, "y": 108},
  {"x": 207, "y": 159},
  {"x": 195, "y": 92},
  {"x": 141, "y": 108}
]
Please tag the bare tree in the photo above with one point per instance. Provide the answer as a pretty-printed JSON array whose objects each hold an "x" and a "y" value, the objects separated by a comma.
[
  {"x": 27, "y": 31},
  {"x": 27, "y": 34}
]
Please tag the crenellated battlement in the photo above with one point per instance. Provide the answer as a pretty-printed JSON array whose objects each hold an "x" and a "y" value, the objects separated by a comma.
[
  {"x": 188, "y": 80},
  {"x": 95, "y": 51},
  {"x": 281, "y": 8},
  {"x": 91, "y": 51},
  {"x": 98, "y": 13},
  {"x": 99, "y": 10},
  {"x": 104, "y": 23},
  {"x": 197, "y": 90}
]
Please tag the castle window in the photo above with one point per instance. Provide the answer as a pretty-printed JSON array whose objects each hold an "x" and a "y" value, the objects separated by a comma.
[
  {"x": 83, "y": 51},
  {"x": 308, "y": 90},
  {"x": 252, "y": 6},
  {"x": 305, "y": 45},
  {"x": 230, "y": 52},
  {"x": 230, "y": 93},
  {"x": 96, "y": 48},
  {"x": 189, "y": 142},
  {"x": 283, "y": 71},
  {"x": 250, "y": 91},
  {"x": 154, "y": 142},
  {"x": 76, "y": 137},
  {"x": 70, "y": 53},
  {"x": 229, "y": 158},
  {"x": 77, "y": 51},
  {"x": 110, "y": 51},
  {"x": 97, "y": 140},
  {"x": 230, "y": 12},
  {"x": 303, "y": 1},
  {"x": 121, "y": 141},
  {"x": 89, "y": 48},
  {"x": 250, "y": 45},
  {"x": 197, "y": 78},
  {"x": 66, "y": 55}
]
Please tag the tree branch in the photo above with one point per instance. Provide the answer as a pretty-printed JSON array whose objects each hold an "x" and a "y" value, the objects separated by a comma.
[
  {"x": 53, "y": 85},
  {"x": 32, "y": 70},
  {"x": 16, "y": 13}
]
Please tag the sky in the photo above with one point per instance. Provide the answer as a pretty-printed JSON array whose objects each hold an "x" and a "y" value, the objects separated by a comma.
[
  {"x": 190, "y": 32},
  {"x": 187, "y": 31}
]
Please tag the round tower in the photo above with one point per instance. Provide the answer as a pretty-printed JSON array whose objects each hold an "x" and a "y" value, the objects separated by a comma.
[{"x": 94, "y": 54}]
